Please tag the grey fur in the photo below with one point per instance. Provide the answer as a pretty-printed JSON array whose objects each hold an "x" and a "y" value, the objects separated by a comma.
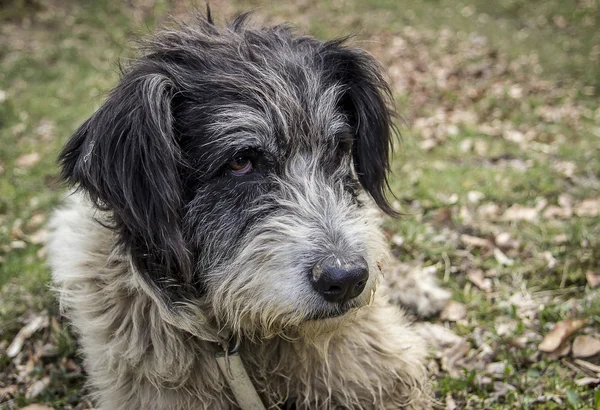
[{"x": 166, "y": 254}]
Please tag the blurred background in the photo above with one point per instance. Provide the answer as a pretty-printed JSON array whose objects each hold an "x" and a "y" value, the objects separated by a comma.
[{"x": 498, "y": 175}]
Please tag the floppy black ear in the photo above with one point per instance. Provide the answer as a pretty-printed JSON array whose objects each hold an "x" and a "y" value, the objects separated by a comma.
[
  {"x": 368, "y": 103},
  {"x": 126, "y": 158}
]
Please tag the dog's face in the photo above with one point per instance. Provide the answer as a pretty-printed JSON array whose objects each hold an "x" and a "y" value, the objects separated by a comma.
[{"x": 235, "y": 163}]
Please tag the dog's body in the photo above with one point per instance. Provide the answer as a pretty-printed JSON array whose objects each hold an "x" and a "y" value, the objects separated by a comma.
[{"x": 224, "y": 202}]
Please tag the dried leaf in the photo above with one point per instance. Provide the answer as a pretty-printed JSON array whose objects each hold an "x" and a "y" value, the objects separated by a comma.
[
  {"x": 7, "y": 391},
  {"x": 18, "y": 244},
  {"x": 563, "y": 350},
  {"x": 428, "y": 144},
  {"x": 475, "y": 197},
  {"x": 451, "y": 356},
  {"x": 554, "y": 211},
  {"x": 28, "y": 160},
  {"x": 561, "y": 238},
  {"x": 450, "y": 403},
  {"x": 477, "y": 278},
  {"x": 587, "y": 365},
  {"x": 453, "y": 311},
  {"x": 439, "y": 336},
  {"x": 501, "y": 389},
  {"x": 566, "y": 168},
  {"x": 502, "y": 258},
  {"x": 37, "y": 406},
  {"x": 593, "y": 278},
  {"x": 559, "y": 333},
  {"x": 488, "y": 210},
  {"x": 497, "y": 368},
  {"x": 398, "y": 240},
  {"x": 588, "y": 207},
  {"x": 585, "y": 346},
  {"x": 476, "y": 241},
  {"x": 40, "y": 237},
  {"x": 39, "y": 322},
  {"x": 550, "y": 259},
  {"x": 587, "y": 381},
  {"x": 504, "y": 241},
  {"x": 37, "y": 388},
  {"x": 36, "y": 221},
  {"x": 443, "y": 216},
  {"x": 520, "y": 213}
]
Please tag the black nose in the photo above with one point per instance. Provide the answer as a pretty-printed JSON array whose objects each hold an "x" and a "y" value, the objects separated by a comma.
[{"x": 340, "y": 280}]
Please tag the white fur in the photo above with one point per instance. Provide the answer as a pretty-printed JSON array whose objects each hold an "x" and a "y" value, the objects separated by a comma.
[{"x": 141, "y": 354}]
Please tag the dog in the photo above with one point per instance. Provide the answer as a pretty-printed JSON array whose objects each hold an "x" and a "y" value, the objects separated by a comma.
[{"x": 225, "y": 210}]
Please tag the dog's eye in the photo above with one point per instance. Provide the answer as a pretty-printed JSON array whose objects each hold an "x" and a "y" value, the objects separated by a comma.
[{"x": 240, "y": 166}]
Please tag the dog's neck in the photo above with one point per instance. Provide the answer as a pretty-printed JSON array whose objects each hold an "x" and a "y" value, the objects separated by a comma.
[{"x": 234, "y": 372}]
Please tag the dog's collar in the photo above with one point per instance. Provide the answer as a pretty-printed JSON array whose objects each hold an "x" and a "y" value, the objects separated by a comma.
[{"x": 235, "y": 373}]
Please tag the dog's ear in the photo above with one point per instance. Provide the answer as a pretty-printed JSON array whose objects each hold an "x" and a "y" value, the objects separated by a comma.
[
  {"x": 368, "y": 103},
  {"x": 126, "y": 158}
]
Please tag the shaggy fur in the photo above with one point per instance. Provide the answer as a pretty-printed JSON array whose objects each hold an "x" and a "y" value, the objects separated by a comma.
[{"x": 169, "y": 251}]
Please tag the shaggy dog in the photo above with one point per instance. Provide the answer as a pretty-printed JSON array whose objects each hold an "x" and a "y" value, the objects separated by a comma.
[{"x": 225, "y": 195}]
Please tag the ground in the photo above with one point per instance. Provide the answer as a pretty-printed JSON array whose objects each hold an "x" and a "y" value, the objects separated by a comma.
[{"x": 497, "y": 175}]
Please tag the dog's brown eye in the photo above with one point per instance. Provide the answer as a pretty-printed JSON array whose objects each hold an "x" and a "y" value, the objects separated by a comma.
[{"x": 240, "y": 166}]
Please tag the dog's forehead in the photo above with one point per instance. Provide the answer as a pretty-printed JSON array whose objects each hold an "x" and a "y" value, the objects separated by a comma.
[{"x": 278, "y": 93}]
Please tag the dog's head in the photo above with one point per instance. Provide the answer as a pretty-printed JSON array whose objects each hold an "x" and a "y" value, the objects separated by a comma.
[{"x": 235, "y": 164}]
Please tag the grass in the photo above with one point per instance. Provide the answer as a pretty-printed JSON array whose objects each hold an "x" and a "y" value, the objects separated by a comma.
[{"x": 56, "y": 65}]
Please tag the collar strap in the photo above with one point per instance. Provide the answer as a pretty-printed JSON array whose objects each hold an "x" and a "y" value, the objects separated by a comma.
[{"x": 235, "y": 373}]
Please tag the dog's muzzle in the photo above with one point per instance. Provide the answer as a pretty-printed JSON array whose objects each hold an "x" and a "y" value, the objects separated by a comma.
[{"x": 340, "y": 280}]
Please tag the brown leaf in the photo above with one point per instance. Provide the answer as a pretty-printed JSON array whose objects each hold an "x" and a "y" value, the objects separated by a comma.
[
  {"x": 566, "y": 168},
  {"x": 585, "y": 346},
  {"x": 452, "y": 356},
  {"x": 554, "y": 211},
  {"x": 397, "y": 240},
  {"x": 502, "y": 258},
  {"x": 474, "y": 197},
  {"x": 450, "y": 403},
  {"x": 39, "y": 322},
  {"x": 520, "y": 213},
  {"x": 28, "y": 160},
  {"x": 588, "y": 207},
  {"x": 563, "y": 350},
  {"x": 18, "y": 244},
  {"x": 39, "y": 237},
  {"x": 443, "y": 216},
  {"x": 550, "y": 259},
  {"x": 497, "y": 368},
  {"x": 590, "y": 366},
  {"x": 501, "y": 389},
  {"x": 477, "y": 278},
  {"x": 37, "y": 388},
  {"x": 439, "y": 336},
  {"x": 593, "y": 278},
  {"x": 36, "y": 221},
  {"x": 587, "y": 381},
  {"x": 560, "y": 239},
  {"x": 476, "y": 241},
  {"x": 559, "y": 333},
  {"x": 37, "y": 406},
  {"x": 7, "y": 391},
  {"x": 504, "y": 241},
  {"x": 453, "y": 311},
  {"x": 488, "y": 210}
]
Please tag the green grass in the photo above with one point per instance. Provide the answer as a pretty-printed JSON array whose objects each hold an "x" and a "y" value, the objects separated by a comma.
[{"x": 56, "y": 66}]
